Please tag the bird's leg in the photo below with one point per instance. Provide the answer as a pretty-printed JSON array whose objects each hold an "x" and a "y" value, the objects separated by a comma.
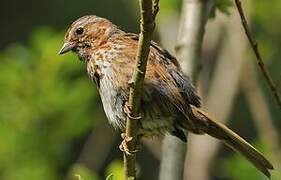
[{"x": 123, "y": 146}]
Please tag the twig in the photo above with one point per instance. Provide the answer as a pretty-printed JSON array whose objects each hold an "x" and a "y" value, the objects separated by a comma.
[
  {"x": 255, "y": 48},
  {"x": 147, "y": 26}
]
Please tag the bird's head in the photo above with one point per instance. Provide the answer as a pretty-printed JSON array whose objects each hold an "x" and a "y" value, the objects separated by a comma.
[{"x": 86, "y": 33}]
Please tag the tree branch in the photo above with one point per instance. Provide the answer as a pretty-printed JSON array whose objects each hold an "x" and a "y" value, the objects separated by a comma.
[
  {"x": 147, "y": 26},
  {"x": 173, "y": 158},
  {"x": 190, "y": 36},
  {"x": 219, "y": 98},
  {"x": 255, "y": 48},
  {"x": 188, "y": 50}
]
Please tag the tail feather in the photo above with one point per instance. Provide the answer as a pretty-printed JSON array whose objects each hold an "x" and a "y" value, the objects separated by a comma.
[{"x": 233, "y": 140}]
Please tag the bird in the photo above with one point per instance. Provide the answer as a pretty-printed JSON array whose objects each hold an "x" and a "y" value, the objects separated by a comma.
[{"x": 169, "y": 103}]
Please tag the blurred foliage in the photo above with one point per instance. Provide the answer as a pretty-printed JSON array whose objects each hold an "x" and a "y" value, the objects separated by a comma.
[
  {"x": 80, "y": 172},
  {"x": 222, "y": 6},
  {"x": 238, "y": 168},
  {"x": 169, "y": 7},
  {"x": 38, "y": 135},
  {"x": 110, "y": 177},
  {"x": 115, "y": 170},
  {"x": 20, "y": 17},
  {"x": 266, "y": 19}
]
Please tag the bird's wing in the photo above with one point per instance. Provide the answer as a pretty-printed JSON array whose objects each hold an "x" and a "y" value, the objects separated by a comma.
[{"x": 168, "y": 68}]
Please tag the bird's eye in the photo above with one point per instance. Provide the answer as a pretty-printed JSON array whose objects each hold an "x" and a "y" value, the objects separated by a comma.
[{"x": 79, "y": 31}]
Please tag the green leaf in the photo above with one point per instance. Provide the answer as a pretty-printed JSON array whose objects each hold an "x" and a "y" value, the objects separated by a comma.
[
  {"x": 116, "y": 168},
  {"x": 110, "y": 177},
  {"x": 223, "y": 5}
]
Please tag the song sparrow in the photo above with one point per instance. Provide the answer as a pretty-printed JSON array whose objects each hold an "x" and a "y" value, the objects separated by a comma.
[{"x": 169, "y": 102}]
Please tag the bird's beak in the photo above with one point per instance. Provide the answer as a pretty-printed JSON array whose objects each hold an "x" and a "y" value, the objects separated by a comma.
[{"x": 67, "y": 46}]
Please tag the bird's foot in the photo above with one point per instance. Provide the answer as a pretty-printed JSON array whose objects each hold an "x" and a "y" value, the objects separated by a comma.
[
  {"x": 124, "y": 146},
  {"x": 127, "y": 110}
]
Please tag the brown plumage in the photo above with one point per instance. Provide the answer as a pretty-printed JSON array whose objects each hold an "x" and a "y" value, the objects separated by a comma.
[{"x": 169, "y": 102}]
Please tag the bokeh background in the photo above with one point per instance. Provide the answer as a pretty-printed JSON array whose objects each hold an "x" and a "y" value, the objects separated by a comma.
[{"x": 52, "y": 125}]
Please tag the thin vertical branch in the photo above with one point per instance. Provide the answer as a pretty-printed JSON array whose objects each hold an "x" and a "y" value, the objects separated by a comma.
[
  {"x": 190, "y": 36},
  {"x": 173, "y": 158},
  {"x": 188, "y": 50},
  {"x": 147, "y": 25},
  {"x": 255, "y": 48},
  {"x": 173, "y": 149},
  {"x": 219, "y": 99}
]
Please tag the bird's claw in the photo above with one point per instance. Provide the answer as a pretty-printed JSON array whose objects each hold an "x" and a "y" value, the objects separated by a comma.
[
  {"x": 124, "y": 147},
  {"x": 128, "y": 112}
]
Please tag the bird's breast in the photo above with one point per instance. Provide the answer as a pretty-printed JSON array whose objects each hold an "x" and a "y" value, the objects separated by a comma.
[{"x": 112, "y": 96}]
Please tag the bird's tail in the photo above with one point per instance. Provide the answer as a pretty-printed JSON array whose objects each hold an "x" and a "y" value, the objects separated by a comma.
[{"x": 233, "y": 140}]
